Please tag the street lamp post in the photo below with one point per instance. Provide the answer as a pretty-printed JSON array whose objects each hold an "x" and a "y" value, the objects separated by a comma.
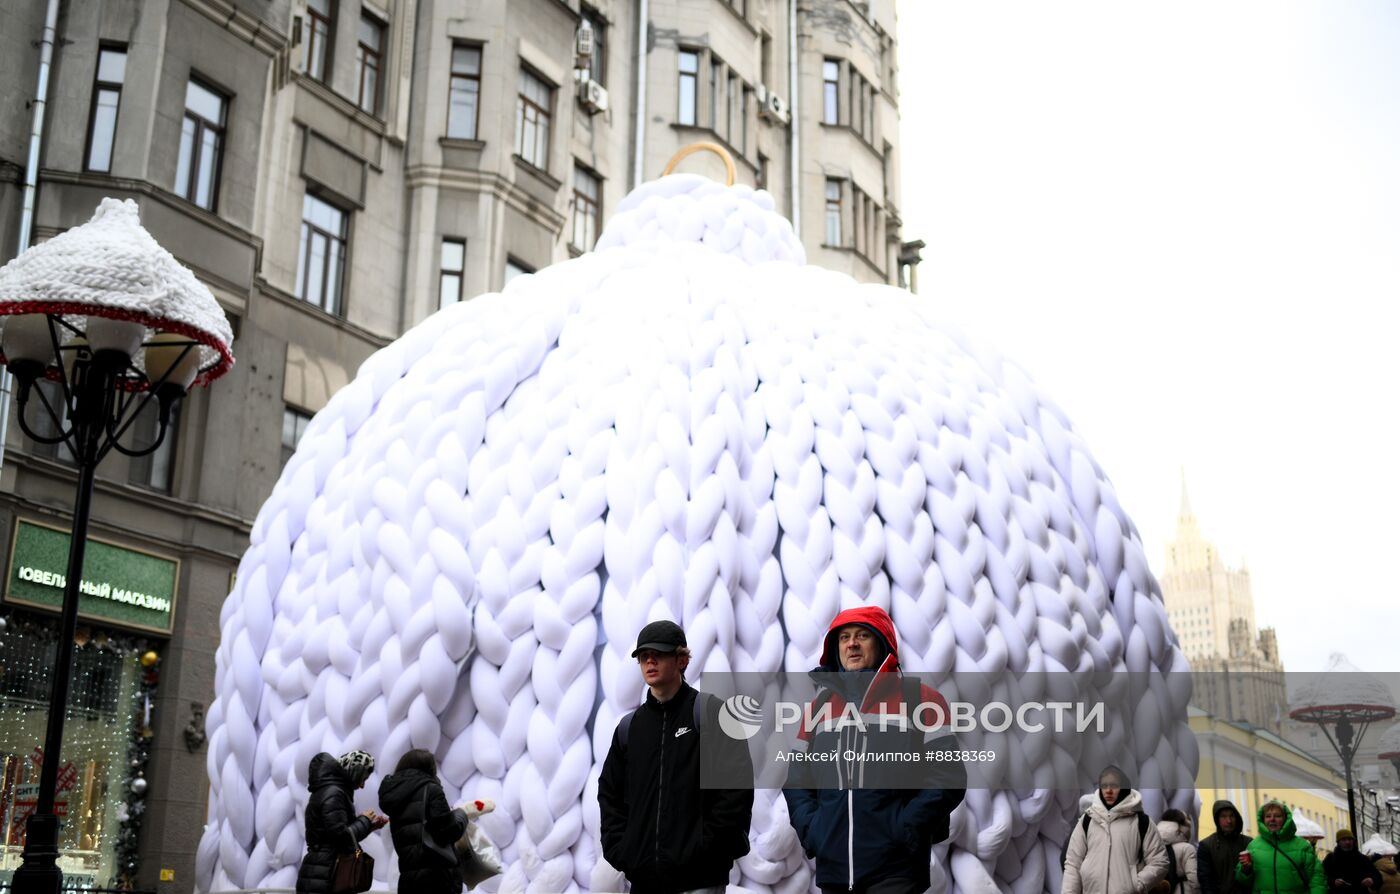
[
  {"x": 117, "y": 326},
  {"x": 1348, "y": 702}
]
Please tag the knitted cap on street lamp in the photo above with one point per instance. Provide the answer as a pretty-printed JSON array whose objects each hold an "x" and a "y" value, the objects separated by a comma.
[
  {"x": 108, "y": 282},
  {"x": 1342, "y": 692},
  {"x": 1348, "y": 701}
]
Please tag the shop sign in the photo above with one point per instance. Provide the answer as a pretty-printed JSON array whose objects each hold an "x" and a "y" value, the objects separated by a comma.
[{"x": 120, "y": 585}]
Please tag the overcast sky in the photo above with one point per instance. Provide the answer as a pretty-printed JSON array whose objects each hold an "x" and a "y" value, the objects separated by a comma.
[{"x": 1183, "y": 219}]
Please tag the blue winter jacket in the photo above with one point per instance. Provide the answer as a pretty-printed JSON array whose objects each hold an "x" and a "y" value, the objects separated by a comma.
[{"x": 858, "y": 832}]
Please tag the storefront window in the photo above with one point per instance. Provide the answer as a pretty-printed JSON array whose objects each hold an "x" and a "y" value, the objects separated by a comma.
[{"x": 104, "y": 748}]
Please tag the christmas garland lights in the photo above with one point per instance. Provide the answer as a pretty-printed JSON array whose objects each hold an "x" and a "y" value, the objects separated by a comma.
[{"x": 139, "y": 712}]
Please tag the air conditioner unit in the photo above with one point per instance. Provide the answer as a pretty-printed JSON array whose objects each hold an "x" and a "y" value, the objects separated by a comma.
[
  {"x": 775, "y": 109},
  {"x": 760, "y": 93},
  {"x": 583, "y": 45},
  {"x": 593, "y": 95}
]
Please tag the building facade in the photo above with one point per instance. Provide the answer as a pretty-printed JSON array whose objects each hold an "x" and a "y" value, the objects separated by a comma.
[
  {"x": 1236, "y": 671},
  {"x": 336, "y": 171}
]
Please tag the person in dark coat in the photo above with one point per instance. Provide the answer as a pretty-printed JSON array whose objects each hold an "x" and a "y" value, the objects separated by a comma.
[
  {"x": 1348, "y": 870},
  {"x": 1219, "y": 853},
  {"x": 422, "y": 825},
  {"x": 332, "y": 828}
]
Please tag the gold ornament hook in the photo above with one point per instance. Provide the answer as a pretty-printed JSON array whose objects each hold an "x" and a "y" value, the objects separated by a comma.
[{"x": 704, "y": 146}]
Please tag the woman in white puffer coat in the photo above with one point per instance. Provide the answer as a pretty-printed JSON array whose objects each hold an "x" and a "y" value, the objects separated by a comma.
[
  {"x": 1114, "y": 852},
  {"x": 1175, "y": 830}
]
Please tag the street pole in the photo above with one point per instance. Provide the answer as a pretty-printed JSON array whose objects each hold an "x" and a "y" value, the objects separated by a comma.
[
  {"x": 39, "y": 873},
  {"x": 93, "y": 407}
]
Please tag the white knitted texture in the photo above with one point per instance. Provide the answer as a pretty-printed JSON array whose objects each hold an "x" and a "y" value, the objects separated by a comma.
[
  {"x": 111, "y": 262},
  {"x": 688, "y": 423},
  {"x": 1342, "y": 683}
]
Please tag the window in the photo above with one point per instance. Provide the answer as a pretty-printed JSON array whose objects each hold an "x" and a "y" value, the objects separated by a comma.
[
  {"x": 732, "y": 108},
  {"x": 760, "y": 180},
  {"x": 532, "y": 111},
  {"x": 294, "y": 424},
  {"x": 587, "y": 189},
  {"x": 321, "y": 262},
  {"x": 887, "y": 169},
  {"x": 833, "y": 212},
  {"x": 743, "y": 144},
  {"x": 689, "y": 66},
  {"x": 598, "y": 62},
  {"x": 862, "y": 114},
  {"x": 156, "y": 469},
  {"x": 515, "y": 268},
  {"x": 369, "y": 62},
  {"x": 465, "y": 92},
  {"x": 831, "y": 80},
  {"x": 857, "y": 219},
  {"x": 765, "y": 57},
  {"x": 868, "y": 123},
  {"x": 106, "y": 96},
  {"x": 865, "y": 222},
  {"x": 856, "y": 95},
  {"x": 320, "y": 20},
  {"x": 454, "y": 261},
  {"x": 201, "y": 145},
  {"x": 716, "y": 93}
]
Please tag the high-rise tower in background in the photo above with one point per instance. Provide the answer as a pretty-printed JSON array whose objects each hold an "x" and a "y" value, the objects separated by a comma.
[{"x": 1236, "y": 667}]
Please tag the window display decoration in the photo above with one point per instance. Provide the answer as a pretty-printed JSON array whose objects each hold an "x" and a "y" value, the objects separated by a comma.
[{"x": 24, "y": 688}]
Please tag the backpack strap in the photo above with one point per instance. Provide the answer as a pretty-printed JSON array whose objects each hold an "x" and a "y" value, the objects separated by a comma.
[
  {"x": 701, "y": 700},
  {"x": 623, "y": 725}
]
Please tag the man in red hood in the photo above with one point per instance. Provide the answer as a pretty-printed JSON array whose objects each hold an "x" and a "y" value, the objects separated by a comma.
[{"x": 869, "y": 830}]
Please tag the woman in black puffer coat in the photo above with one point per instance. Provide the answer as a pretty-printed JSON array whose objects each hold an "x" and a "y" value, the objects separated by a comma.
[
  {"x": 414, "y": 800},
  {"x": 330, "y": 817}
]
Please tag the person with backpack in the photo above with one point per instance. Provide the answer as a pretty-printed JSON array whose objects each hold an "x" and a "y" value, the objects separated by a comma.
[
  {"x": 1278, "y": 861},
  {"x": 871, "y": 827},
  {"x": 1219, "y": 853},
  {"x": 1348, "y": 870},
  {"x": 1182, "y": 877},
  {"x": 1114, "y": 848},
  {"x": 658, "y": 826}
]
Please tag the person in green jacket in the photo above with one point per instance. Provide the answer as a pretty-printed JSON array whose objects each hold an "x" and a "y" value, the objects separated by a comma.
[{"x": 1277, "y": 861}]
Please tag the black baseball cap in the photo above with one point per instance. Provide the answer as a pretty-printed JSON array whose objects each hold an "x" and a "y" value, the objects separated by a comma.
[{"x": 660, "y": 636}]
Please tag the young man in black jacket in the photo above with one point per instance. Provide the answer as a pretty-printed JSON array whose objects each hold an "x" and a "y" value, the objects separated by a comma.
[{"x": 659, "y": 827}]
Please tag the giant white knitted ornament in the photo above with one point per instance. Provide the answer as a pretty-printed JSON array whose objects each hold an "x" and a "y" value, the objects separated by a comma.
[{"x": 687, "y": 423}]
